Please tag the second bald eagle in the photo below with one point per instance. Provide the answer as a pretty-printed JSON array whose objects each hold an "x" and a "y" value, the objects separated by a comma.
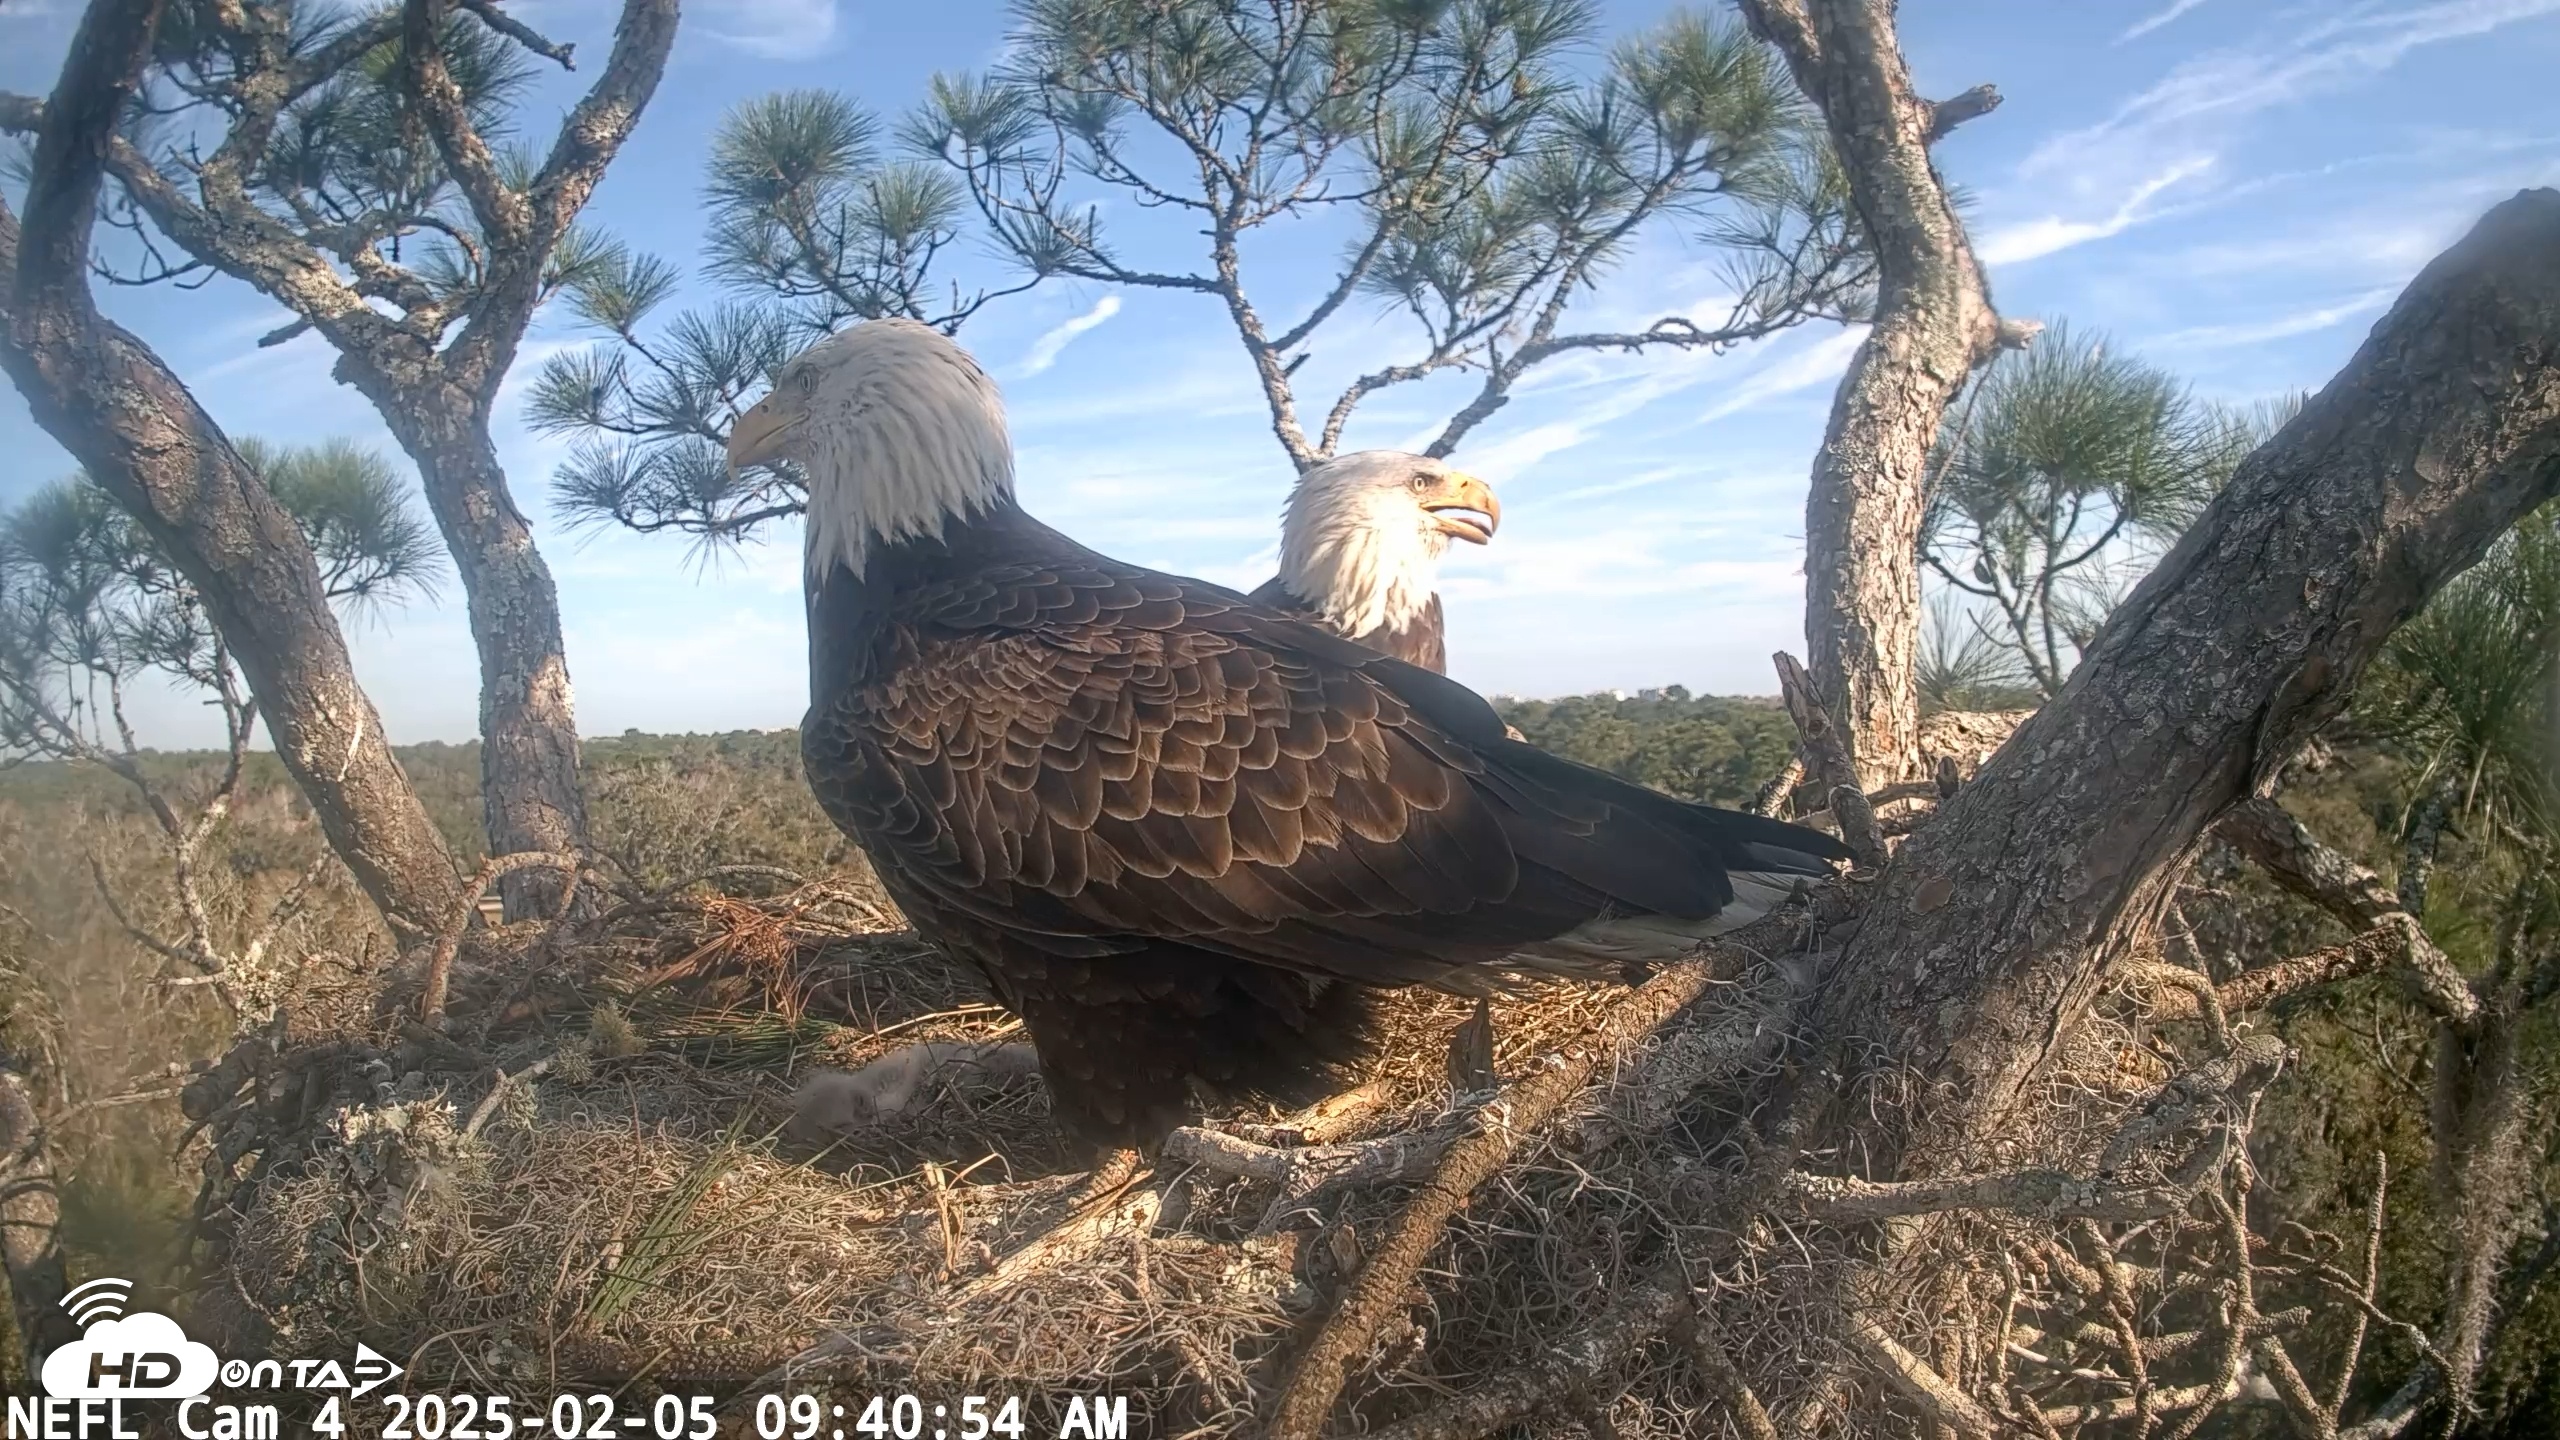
[
  {"x": 1360, "y": 549},
  {"x": 1183, "y": 835}
]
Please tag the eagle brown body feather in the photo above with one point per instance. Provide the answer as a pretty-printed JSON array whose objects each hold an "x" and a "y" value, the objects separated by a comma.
[{"x": 1184, "y": 835}]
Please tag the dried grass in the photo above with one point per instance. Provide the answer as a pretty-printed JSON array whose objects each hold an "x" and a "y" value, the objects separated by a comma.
[{"x": 641, "y": 1215}]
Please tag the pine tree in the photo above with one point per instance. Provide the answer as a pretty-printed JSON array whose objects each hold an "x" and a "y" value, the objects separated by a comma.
[
  {"x": 2056, "y": 480},
  {"x": 362, "y": 169},
  {"x": 1483, "y": 185}
]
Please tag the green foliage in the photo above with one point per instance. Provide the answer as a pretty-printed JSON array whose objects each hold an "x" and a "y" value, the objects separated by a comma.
[
  {"x": 1964, "y": 667},
  {"x": 348, "y": 164},
  {"x": 88, "y": 603},
  {"x": 651, "y": 411},
  {"x": 2060, "y": 473},
  {"x": 1484, "y": 182},
  {"x": 1698, "y": 747},
  {"x": 809, "y": 227},
  {"x": 804, "y": 211},
  {"x": 372, "y": 545},
  {"x": 2467, "y": 689}
]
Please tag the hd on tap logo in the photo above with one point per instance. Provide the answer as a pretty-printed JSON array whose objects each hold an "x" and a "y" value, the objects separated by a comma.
[{"x": 120, "y": 1356}]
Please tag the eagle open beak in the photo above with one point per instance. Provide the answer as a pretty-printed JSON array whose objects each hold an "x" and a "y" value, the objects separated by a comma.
[
  {"x": 1467, "y": 509},
  {"x": 757, "y": 437}
]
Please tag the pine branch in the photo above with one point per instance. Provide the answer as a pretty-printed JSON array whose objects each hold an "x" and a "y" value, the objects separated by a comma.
[
  {"x": 523, "y": 34},
  {"x": 502, "y": 213},
  {"x": 1973, "y": 104}
]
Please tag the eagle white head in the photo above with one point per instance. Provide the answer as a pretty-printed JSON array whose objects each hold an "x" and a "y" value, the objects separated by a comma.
[
  {"x": 897, "y": 430},
  {"x": 1363, "y": 535}
]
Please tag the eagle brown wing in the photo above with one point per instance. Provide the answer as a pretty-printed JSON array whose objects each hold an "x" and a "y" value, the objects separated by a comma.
[{"x": 1079, "y": 757}]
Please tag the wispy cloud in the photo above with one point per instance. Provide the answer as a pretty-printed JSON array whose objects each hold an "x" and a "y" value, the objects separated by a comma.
[
  {"x": 1615, "y": 395},
  {"x": 1640, "y": 481},
  {"x": 2223, "y": 85},
  {"x": 1817, "y": 364},
  {"x": 1044, "y": 350},
  {"x": 774, "y": 29},
  {"x": 2255, "y": 332},
  {"x": 2034, "y": 239},
  {"x": 2155, "y": 20}
]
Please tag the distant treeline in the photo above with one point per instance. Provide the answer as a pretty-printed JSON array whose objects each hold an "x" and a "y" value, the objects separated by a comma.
[{"x": 663, "y": 800}]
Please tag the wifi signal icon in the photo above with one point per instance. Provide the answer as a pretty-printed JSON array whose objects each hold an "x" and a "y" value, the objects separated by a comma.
[{"x": 98, "y": 1300}]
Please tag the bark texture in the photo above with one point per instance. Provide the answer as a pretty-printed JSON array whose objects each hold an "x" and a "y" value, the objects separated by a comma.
[
  {"x": 430, "y": 359},
  {"x": 1998, "y": 922},
  {"x": 1933, "y": 325},
  {"x": 135, "y": 427},
  {"x": 529, "y": 787}
]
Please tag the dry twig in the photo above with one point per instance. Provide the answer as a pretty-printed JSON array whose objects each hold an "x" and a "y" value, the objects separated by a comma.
[{"x": 1498, "y": 1130}]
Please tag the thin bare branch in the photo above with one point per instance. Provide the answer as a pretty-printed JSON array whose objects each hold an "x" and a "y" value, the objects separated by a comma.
[{"x": 1501, "y": 1127}]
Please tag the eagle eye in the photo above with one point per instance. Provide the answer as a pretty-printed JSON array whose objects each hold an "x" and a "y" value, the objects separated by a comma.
[
  {"x": 806, "y": 381},
  {"x": 1421, "y": 481}
]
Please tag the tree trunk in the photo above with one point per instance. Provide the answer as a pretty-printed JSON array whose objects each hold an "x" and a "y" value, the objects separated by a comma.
[
  {"x": 436, "y": 401},
  {"x": 140, "y": 434},
  {"x": 530, "y": 795},
  {"x": 1933, "y": 325},
  {"x": 1998, "y": 922},
  {"x": 112, "y": 403}
]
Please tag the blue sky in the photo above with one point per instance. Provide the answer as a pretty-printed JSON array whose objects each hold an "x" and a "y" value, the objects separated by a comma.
[{"x": 2234, "y": 190}]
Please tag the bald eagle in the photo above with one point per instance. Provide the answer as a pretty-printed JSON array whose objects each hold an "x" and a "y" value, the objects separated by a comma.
[
  {"x": 1184, "y": 836},
  {"x": 1360, "y": 549}
]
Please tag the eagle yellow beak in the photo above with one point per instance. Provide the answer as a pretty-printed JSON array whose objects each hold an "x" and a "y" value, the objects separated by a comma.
[
  {"x": 757, "y": 437},
  {"x": 1465, "y": 507}
]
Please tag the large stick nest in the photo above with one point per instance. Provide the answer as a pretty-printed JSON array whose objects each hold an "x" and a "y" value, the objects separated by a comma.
[
  {"x": 592, "y": 1176},
  {"x": 642, "y": 1208}
]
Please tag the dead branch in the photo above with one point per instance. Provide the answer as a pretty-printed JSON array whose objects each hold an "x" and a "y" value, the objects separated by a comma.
[
  {"x": 1921, "y": 1385},
  {"x": 525, "y": 35},
  {"x": 2289, "y": 854},
  {"x": 2377, "y": 949},
  {"x": 1839, "y": 1199},
  {"x": 1704, "y": 1340},
  {"x": 1306, "y": 1174},
  {"x": 1121, "y": 1210},
  {"x": 498, "y": 1089},
  {"x": 2295, "y": 859},
  {"x": 1947, "y": 114},
  {"x": 2172, "y": 1401},
  {"x": 1827, "y": 759},
  {"x": 1771, "y": 799},
  {"x": 1933, "y": 788},
  {"x": 458, "y": 919},
  {"x": 2195, "y": 1103},
  {"x": 1496, "y": 1131},
  {"x": 2353, "y": 1351}
]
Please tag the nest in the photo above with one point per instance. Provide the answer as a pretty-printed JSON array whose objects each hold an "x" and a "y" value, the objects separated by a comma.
[
  {"x": 1548, "y": 1213},
  {"x": 591, "y": 1178}
]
